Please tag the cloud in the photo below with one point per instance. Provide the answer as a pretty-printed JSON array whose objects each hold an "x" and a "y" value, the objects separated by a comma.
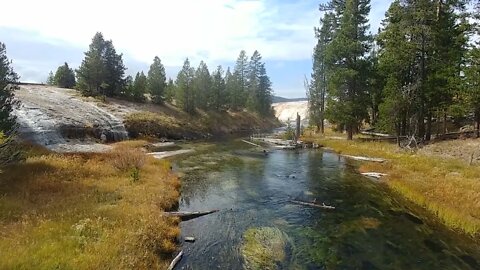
[{"x": 213, "y": 30}]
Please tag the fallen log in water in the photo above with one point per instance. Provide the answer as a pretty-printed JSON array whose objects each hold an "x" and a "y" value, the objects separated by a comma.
[
  {"x": 254, "y": 144},
  {"x": 375, "y": 175},
  {"x": 184, "y": 216},
  {"x": 379, "y": 160},
  {"x": 175, "y": 260},
  {"x": 323, "y": 206}
]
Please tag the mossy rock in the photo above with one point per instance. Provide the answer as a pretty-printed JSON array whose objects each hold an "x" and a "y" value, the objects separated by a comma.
[{"x": 265, "y": 248}]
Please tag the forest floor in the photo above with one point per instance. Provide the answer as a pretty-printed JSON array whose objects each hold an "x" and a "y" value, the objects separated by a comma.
[
  {"x": 88, "y": 211},
  {"x": 438, "y": 177}
]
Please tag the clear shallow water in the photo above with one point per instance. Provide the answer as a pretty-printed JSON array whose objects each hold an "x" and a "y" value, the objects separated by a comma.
[{"x": 371, "y": 228}]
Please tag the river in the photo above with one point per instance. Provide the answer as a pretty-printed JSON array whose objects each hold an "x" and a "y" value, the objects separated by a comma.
[{"x": 371, "y": 227}]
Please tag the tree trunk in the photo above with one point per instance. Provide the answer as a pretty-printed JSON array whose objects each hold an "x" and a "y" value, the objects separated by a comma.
[
  {"x": 428, "y": 135},
  {"x": 349, "y": 132},
  {"x": 421, "y": 125},
  {"x": 477, "y": 114},
  {"x": 444, "y": 123}
]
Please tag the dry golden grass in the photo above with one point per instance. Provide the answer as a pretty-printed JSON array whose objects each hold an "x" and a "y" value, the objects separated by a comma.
[
  {"x": 78, "y": 211},
  {"x": 448, "y": 188}
]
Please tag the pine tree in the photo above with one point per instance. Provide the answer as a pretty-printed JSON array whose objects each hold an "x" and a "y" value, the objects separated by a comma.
[
  {"x": 202, "y": 86},
  {"x": 239, "y": 83},
  {"x": 64, "y": 76},
  {"x": 50, "y": 78},
  {"x": 317, "y": 87},
  {"x": 102, "y": 70},
  {"x": 139, "y": 87},
  {"x": 346, "y": 76},
  {"x": 156, "y": 81},
  {"x": 114, "y": 70},
  {"x": 170, "y": 90},
  {"x": 8, "y": 78},
  {"x": 259, "y": 88},
  {"x": 185, "y": 95},
  {"x": 218, "y": 96}
]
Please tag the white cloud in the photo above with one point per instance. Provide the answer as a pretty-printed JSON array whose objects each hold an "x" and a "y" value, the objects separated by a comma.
[{"x": 214, "y": 30}]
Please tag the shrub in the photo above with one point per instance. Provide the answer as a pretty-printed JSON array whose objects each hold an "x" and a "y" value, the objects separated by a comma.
[{"x": 127, "y": 159}]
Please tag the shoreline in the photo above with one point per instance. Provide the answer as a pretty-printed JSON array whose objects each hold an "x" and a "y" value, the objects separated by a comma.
[{"x": 446, "y": 188}]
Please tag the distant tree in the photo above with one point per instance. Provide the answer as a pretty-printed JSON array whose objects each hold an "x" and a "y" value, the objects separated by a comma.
[
  {"x": 170, "y": 90},
  {"x": 127, "y": 91},
  {"x": 259, "y": 90},
  {"x": 218, "y": 94},
  {"x": 64, "y": 77},
  {"x": 185, "y": 95},
  {"x": 239, "y": 82},
  {"x": 156, "y": 81},
  {"x": 202, "y": 86},
  {"x": 50, "y": 79},
  {"x": 7, "y": 101},
  {"x": 102, "y": 70},
  {"x": 230, "y": 88},
  {"x": 139, "y": 87},
  {"x": 114, "y": 70}
]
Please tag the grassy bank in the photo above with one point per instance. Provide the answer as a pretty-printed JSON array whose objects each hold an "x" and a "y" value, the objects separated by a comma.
[
  {"x": 87, "y": 211},
  {"x": 446, "y": 187},
  {"x": 181, "y": 125}
]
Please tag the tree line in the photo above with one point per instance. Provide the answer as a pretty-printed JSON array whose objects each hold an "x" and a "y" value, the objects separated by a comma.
[
  {"x": 102, "y": 73},
  {"x": 421, "y": 66}
]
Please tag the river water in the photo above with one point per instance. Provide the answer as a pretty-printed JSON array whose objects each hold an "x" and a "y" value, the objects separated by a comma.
[{"x": 371, "y": 227}]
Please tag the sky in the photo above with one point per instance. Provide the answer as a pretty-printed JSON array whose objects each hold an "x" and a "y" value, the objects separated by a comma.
[{"x": 42, "y": 35}]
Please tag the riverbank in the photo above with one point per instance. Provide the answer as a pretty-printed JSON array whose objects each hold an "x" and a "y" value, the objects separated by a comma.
[
  {"x": 446, "y": 187},
  {"x": 88, "y": 211}
]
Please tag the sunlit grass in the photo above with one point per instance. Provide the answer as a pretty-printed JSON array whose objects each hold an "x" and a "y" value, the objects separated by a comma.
[
  {"x": 448, "y": 188},
  {"x": 77, "y": 211}
]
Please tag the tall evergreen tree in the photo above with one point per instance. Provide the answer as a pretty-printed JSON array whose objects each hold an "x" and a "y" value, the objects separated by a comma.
[
  {"x": 156, "y": 81},
  {"x": 185, "y": 95},
  {"x": 218, "y": 96},
  {"x": 317, "y": 88},
  {"x": 239, "y": 82},
  {"x": 64, "y": 76},
  {"x": 102, "y": 70},
  {"x": 139, "y": 87},
  {"x": 8, "y": 78},
  {"x": 259, "y": 89},
  {"x": 346, "y": 76},
  {"x": 50, "y": 78},
  {"x": 114, "y": 70},
  {"x": 170, "y": 90},
  {"x": 202, "y": 86}
]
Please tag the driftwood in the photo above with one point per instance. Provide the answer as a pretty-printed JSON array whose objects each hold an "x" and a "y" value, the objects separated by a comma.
[
  {"x": 175, "y": 260},
  {"x": 184, "y": 216},
  {"x": 375, "y": 175},
  {"x": 379, "y": 160},
  {"x": 190, "y": 239},
  {"x": 323, "y": 205},
  {"x": 254, "y": 144},
  {"x": 166, "y": 154}
]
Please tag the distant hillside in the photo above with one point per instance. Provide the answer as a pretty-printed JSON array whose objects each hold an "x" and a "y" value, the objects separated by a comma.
[{"x": 277, "y": 99}]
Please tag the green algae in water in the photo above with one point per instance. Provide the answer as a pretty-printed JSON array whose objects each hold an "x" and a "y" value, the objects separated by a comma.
[{"x": 264, "y": 248}]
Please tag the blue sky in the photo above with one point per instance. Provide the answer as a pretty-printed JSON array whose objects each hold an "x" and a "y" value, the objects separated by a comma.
[{"x": 44, "y": 34}]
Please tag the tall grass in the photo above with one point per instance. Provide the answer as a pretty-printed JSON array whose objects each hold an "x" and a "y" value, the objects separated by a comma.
[
  {"x": 78, "y": 211},
  {"x": 448, "y": 188}
]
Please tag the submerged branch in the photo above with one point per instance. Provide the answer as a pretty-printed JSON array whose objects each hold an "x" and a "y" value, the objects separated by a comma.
[{"x": 184, "y": 216}]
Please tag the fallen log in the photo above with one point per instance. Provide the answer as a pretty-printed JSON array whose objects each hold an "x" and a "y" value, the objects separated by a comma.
[
  {"x": 323, "y": 205},
  {"x": 184, "y": 216},
  {"x": 375, "y": 175},
  {"x": 254, "y": 144},
  {"x": 379, "y": 160},
  {"x": 175, "y": 260}
]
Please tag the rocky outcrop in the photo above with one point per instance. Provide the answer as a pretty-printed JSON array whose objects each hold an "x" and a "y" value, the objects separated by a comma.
[
  {"x": 53, "y": 116},
  {"x": 287, "y": 111}
]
